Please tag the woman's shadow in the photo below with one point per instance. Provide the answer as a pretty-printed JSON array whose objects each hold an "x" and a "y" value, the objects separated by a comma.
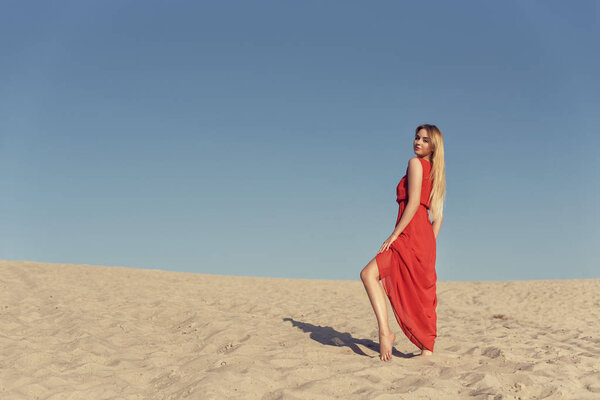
[{"x": 330, "y": 337}]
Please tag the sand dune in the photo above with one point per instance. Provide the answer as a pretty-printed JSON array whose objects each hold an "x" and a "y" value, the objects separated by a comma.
[{"x": 88, "y": 332}]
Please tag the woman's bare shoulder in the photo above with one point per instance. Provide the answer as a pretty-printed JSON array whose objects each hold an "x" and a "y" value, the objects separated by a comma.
[{"x": 414, "y": 163}]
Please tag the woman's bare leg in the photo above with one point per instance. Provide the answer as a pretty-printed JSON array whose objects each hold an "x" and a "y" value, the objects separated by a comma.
[{"x": 370, "y": 278}]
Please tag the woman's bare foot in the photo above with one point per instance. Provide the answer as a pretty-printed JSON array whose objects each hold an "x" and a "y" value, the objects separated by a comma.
[
  {"x": 386, "y": 343},
  {"x": 425, "y": 352}
]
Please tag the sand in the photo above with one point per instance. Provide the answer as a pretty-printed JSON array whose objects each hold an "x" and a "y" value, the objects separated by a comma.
[{"x": 90, "y": 332}]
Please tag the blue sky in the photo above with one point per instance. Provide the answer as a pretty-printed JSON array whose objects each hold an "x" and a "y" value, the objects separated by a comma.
[{"x": 266, "y": 138}]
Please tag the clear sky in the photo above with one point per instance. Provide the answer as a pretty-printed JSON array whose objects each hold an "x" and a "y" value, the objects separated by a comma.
[{"x": 266, "y": 138}]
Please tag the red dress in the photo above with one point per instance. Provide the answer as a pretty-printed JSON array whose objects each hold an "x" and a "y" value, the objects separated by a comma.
[{"x": 407, "y": 269}]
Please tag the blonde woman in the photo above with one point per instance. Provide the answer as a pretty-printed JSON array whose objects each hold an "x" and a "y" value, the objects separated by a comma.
[{"x": 405, "y": 263}]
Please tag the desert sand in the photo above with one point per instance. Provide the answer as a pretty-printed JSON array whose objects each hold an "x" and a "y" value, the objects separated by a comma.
[{"x": 91, "y": 332}]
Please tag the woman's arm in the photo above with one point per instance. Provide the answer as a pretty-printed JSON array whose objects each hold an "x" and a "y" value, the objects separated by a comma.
[
  {"x": 437, "y": 224},
  {"x": 415, "y": 179}
]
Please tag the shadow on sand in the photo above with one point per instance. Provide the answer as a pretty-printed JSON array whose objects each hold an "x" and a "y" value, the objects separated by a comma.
[{"x": 330, "y": 337}]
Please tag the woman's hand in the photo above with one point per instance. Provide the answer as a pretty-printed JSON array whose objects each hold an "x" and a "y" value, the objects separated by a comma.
[{"x": 388, "y": 242}]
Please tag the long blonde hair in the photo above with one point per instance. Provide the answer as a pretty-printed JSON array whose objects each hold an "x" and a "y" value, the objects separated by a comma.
[{"x": 437, "y": 173}]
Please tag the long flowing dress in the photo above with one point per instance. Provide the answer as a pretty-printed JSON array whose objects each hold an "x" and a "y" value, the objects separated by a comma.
[{"x": 407, "y": 268}]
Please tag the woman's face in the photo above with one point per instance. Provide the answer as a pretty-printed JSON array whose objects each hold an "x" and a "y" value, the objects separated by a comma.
[{"x": 422, "y": 144}]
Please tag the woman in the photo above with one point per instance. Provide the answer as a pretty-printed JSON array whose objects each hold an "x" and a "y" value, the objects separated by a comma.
[{"x": 405, "y": 263}]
